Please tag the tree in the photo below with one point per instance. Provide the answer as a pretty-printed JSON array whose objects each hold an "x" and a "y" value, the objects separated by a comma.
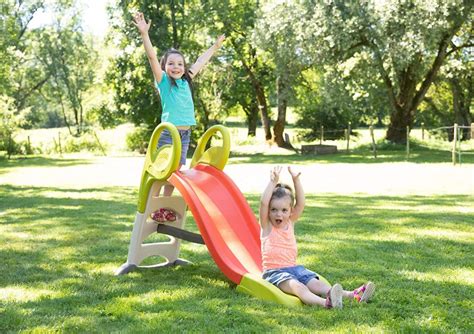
[
  {"x": 19, "y": 75},
  {"x": 279, "y": 31},
  {"x": 69, "y": 58},
  {"x": 237, "y": 19},
  {"x": 408, "y": 42},
  {"x": 240, "y": 93},
  {"x": 462, "y": 88},
  {"x": 449, "y": 100}
]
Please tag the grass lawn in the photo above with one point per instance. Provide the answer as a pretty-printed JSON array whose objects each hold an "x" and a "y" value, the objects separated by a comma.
[{"x": 60, "y": 247}]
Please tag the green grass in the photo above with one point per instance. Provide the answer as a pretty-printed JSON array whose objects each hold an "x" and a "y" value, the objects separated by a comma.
[
  {"x": 60, "y": 247},
  {"x": 361, "y": 155}
]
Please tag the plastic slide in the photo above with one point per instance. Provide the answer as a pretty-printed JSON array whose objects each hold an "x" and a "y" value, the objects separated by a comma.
[
  {"x": 229, "y": 229},
  {"x": 227, "y": 224}
]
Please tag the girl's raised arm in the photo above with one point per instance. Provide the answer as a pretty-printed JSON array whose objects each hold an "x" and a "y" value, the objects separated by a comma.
[
  {"x": 299, "y": 196},
  {"x": 143, "y": 27},
  {"x": 204, "y": 58},
  {"x": 267, "y": 195}
]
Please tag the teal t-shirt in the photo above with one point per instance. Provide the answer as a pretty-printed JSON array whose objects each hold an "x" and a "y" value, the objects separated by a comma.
[{"x": 176, "y": 102}]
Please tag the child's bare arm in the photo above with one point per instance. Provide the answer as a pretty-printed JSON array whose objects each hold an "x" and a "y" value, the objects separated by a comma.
[
  {"x": 204, "y": 58},
  {"x": 267, "y": 195},
  {"x": 299, "y": 195},
  {"x": 143, "y": 27}
]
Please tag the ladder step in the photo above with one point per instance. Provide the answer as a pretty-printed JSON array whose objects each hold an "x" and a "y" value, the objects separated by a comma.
[{"x": 180, "y": 234}]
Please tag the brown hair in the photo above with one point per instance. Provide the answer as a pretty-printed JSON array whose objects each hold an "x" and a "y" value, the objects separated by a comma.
[
  {"x": 283, "y": 190},
  {"x": 186, "y": 75}
]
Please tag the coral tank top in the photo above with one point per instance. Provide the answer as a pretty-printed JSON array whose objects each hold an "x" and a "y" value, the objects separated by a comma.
[{"x": 279, "y": 248}]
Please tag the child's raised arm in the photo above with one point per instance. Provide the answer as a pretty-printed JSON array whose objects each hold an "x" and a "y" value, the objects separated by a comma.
[
  {"x": 143, "y": 27},
  {"x": 204, "y": 58},
  {"x": 267, "y": 195},
  {"x": 299, "y": 195}
]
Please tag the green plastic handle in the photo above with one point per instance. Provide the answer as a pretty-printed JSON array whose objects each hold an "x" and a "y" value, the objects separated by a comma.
[
  {"x": 160, "y": 163},
  {"x": 216, "y": 156}
]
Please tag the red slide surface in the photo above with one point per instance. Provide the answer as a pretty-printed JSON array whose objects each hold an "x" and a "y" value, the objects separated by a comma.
[{"x": 224, "y": 218}]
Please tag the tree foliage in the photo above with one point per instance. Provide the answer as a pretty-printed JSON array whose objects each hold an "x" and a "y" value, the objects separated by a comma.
[
  {"x": 395, "y": 63},
  {"x": 408, "y": 42}
]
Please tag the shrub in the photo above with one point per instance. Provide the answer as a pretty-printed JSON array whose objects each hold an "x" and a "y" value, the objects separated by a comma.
[
  {"x": 137, "y": 140},
  {"x": 87, "y": 142},
  {"x": 9, "y": 124}
]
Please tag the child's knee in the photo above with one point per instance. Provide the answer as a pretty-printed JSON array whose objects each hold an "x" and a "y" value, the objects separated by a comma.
[{"x": 298, "y": 287}]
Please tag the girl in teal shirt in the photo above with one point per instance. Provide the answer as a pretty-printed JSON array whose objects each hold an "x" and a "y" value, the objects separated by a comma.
[{"x": 173, "y": 81}]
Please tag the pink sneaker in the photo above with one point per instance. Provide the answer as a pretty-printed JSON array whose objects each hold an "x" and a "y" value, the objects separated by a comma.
[
  {"x": 163, "y": 215},
  {"x": 364, "y": 293},
  {"x": 334, "y": 297}
]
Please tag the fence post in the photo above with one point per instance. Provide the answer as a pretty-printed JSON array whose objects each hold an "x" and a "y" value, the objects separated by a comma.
[
  {"x": 29, "y": 150},
  {"x": 374, "y": 148},
  {"x": 321, "y": 139},
  {"x": 408, "y": 142},
  {"x": 348, "y": 136},
  {"x": 422, "y": 131},
  {"x": 455, "y": 140}
]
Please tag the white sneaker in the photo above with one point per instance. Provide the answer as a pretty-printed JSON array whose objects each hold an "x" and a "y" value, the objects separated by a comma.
[
  {"x": 365, "y": 292},
  {"x": 334, "y": 297}
]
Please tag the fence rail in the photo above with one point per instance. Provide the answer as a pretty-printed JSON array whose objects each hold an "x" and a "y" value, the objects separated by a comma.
[{"x": 456, "y": 149}]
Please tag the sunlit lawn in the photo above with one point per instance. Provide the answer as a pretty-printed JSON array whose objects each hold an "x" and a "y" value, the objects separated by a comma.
[{"x": 60, "y": 247}]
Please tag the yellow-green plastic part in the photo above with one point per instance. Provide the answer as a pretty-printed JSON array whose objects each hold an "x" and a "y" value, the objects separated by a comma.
[
  {"x": 256, "y": 286},
  {"x": 159, "y": 163},
  {"x": 216, "y": 156}
]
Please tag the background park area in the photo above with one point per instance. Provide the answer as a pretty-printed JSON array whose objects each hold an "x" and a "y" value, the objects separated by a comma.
[
  {"x": 388, "y": 84},
  {"x": 66, "y": 223}
]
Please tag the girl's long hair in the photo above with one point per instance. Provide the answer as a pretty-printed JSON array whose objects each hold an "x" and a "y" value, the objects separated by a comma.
[{"x": 186, "y": 75}]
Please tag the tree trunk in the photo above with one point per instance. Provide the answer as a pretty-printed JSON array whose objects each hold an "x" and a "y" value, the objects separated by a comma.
[
  {"x": 262, "y": 104},
  {"x": 258, "y": 88},
  {"x": 461, "y": 106},
  {"x": 174, "y": 25},
  {"x": 252, "y": 118},
  {"x": 397, "y": 130},
  {"x": 205, "y": 119},
  {"x": 406, "y": 101},
  {"x": 282, "y": 98}
]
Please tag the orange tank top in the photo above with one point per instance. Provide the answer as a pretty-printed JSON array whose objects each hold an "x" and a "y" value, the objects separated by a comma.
[{"x": 279, "y": 248}]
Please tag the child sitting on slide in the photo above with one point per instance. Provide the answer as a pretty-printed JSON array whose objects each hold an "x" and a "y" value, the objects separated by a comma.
[{"x": 278, "y": 214}]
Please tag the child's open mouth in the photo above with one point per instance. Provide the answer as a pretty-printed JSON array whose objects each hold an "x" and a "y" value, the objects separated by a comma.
[{"x": 278, "y": 221}]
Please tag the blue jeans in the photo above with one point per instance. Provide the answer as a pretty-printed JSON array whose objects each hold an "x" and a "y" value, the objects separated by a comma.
[
  {"x": 299, "y": 273},
  {"x": 165, "y": 139}
]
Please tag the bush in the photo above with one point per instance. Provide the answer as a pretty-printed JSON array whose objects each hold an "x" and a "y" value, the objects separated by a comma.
[
  {"x": 138, "y": 139},
  {"x": 87, "y": 142},
  {"x": 9, "y": 124}
]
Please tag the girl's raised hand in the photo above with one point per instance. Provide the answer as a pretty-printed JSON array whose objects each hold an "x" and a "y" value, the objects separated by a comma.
[
  {"x": 275, "y": 174},
  {"x": 140, "y": 22},
  {"x": 293, "y": 174},
  {"x": 219, "y": 41}
]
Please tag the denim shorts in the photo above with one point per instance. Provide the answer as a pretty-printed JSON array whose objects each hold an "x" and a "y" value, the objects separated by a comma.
[
  {"x": 165, "y": 139},
  {"x": 299, "y": 273}
]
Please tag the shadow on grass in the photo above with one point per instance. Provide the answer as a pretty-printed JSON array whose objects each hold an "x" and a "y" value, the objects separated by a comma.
[
  {"x": 39, "y": 161},
  {"x": 59, "y": 248}
]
